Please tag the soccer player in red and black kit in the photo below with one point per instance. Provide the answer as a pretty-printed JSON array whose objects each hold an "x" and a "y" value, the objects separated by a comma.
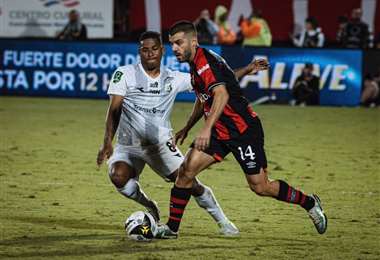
[{"x": 230, "y": 126}]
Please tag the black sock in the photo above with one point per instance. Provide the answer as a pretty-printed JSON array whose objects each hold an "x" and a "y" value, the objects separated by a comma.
[
  {"x": 292, "y": 195},
  {"x": 179, "y": 198}
]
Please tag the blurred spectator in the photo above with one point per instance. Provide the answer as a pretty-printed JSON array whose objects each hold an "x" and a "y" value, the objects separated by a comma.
[
  {"x": 342, "y": 22},
  {"x": 255, "y": 30},
  {"x": 225, "y": 33},
  {"x": 371, "y": 91},
  {"x": 355, "y": 33},
  {"x": 306, "y": 87},
  {"x": 311, "y": 36},
  {"x": 206, "y": 28},
  {"x": 74, "y": 30},
  {"x": 377, "y": 42}
]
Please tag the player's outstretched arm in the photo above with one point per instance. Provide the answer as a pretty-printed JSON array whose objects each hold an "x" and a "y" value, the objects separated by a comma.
[
  {"x": 220, "y": 99},
  {"x": 252, "y": 68},
  {"x": 196, "y": 114},
  {"x": 112, "y": 122}
]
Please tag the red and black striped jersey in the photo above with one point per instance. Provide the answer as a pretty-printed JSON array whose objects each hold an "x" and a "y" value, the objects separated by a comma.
[{"x": 208, "y": 71}]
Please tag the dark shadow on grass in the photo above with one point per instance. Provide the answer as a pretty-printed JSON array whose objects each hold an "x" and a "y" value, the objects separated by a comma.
[
  {"x": 45, "y": 240},
  {"x": 68, "y": 223},
  {"x": 126, "y": 247}
]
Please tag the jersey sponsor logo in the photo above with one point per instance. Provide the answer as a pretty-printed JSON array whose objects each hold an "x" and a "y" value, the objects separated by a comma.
[
  {"x": 203, "y": 69},
  {"x": 152, "y": 91},
  {"x": 203, "y": 97},
  {"x": 153, "y": 85},
  {"x": 117, "y": 76},
  {"x": 149, "y": 110}
]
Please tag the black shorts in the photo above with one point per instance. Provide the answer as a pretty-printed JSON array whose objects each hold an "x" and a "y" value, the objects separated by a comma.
[{"x": 248, "y": 149}]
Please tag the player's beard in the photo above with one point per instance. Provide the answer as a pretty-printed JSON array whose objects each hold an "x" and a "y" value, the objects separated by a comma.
[{"x": 186, "y": 55}]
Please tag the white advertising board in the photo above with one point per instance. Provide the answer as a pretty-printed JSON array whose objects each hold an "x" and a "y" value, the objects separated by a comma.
[{"x": 45, "y": 18}]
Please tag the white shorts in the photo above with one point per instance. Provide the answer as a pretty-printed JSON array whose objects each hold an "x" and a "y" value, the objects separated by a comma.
[{"x": 163, "y": 158}]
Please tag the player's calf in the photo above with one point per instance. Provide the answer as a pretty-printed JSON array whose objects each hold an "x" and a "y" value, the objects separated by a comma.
[
  {"x": 261, "y": 185},
  {"x": 292, "y": 195},
  {"x": 133, "y": 191},
  {"x": 261, "y": 189},
  {"x": 121, "y": 175}
]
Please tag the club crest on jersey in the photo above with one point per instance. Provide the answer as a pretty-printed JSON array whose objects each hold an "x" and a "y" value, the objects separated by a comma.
[
  {"x": 168, "y": 84},
  {"x": 117, "y": 76}
]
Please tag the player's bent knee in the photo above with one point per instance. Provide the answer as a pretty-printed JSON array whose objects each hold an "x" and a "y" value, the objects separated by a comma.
[
  {"x": 172, "y": 177},
  {"x": 185, "y": 177},
  {"x": 119, "y": 176}
]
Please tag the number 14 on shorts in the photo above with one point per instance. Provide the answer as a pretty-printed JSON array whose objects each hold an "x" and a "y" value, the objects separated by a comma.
[{"x": 248, "y": 154}]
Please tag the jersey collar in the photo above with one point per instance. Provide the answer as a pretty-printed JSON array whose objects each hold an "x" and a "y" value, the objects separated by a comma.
[
  {"x": 147, "y": 75},
  {"x": 196, "y": 56}
]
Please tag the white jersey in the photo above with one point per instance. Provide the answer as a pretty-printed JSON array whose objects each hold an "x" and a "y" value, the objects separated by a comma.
[{"x": 147, "y": 104}]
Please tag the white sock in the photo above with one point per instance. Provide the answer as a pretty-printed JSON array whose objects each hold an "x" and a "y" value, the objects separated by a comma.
[
  {"x": 132, "y": 190},
  {"x": 208, "y": 201}
]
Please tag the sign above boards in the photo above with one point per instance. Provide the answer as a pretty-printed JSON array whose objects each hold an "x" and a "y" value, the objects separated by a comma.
[{"x": 46, "y": 18}]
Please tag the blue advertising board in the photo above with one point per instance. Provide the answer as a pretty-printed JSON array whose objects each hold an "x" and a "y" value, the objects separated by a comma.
[
  {"x": 49, "y": 68},
  {"x": 340, "y": 72},
  {"x": 83, "y": 69}
]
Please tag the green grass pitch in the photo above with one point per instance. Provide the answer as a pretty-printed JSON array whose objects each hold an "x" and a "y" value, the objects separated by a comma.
[{"x": 54, "y": 202}]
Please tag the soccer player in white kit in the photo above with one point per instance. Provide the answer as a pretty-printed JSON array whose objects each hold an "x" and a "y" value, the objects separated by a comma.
[{"x": 141, "y": 100}]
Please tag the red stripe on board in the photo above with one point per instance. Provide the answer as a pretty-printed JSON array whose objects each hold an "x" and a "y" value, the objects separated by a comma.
[
  {"x": 137, "y": 18},
  {"x": 71, "y": 4}
]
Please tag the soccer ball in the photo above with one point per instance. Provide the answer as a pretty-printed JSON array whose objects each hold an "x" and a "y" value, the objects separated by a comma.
[{"x": 141, "y": 226}]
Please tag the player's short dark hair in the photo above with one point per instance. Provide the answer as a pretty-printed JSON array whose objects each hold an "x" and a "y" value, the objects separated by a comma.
[
  {"x": 150, "y": 35},
  {"x": 183, "y": 26}
]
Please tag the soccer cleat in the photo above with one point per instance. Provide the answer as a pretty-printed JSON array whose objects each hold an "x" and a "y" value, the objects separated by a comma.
[
  {"x": 227, "y": 228},
  {"x": 164, "y": 232},
  {"x": 318, "y": 216},
  {"x": 154, "y": 210}
]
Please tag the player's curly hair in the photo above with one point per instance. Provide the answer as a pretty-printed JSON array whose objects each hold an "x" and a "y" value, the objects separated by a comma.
[{"x": 150, "y": 35}]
